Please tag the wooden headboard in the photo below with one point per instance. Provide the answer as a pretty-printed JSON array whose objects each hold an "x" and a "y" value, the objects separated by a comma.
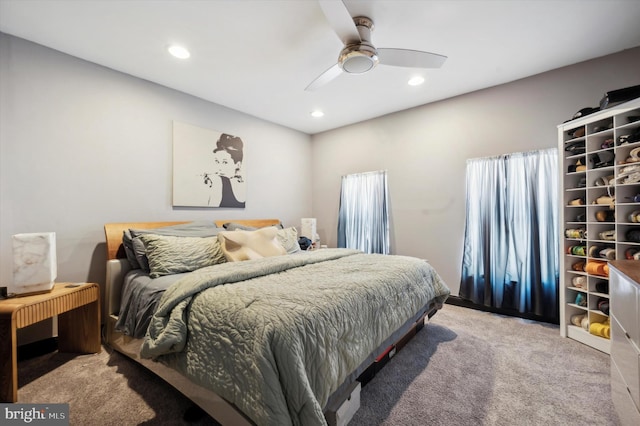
[{"x": 113, "y": 231}]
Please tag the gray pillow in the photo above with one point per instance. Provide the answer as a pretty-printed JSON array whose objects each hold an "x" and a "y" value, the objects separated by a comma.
[
  {"x": 232, "y": 226},
  {"x": 135, "y": 249},
  {"x": 169, "y": 255}
]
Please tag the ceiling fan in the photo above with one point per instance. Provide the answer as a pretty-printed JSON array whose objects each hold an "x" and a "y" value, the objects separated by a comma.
[{"x": 359, "y": 55}]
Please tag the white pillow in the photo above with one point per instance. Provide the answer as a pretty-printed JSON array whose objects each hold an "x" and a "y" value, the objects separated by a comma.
[
  {"x": 247, "y": 245},
  {"x": 288, "y": 237}
]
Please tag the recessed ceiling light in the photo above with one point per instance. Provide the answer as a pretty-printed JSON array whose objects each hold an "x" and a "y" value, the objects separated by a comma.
[
  {"x": 416, "y": 81},
  {"x": 317, "y": 113},
  {"x": 179, "y": 51}
]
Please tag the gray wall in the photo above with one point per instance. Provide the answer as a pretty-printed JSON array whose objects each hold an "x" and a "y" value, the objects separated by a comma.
[
  {"x": 82, "y": 145},
  {"x": 425, "y": 150}
]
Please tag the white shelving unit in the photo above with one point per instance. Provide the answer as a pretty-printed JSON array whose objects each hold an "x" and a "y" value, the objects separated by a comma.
[{"x": 598, "y": 230}]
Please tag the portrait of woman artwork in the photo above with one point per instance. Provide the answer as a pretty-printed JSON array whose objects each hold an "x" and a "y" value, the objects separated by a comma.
[{"x": 208, "y": 168}]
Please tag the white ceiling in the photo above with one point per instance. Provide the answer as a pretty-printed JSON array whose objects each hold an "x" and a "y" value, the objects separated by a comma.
[{"x": 257, "y": 56}]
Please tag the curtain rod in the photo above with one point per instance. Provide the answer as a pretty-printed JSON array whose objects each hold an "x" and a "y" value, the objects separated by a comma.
[
  {"x": 489, "y": 157},
  {"x": 365, "y": 173}
]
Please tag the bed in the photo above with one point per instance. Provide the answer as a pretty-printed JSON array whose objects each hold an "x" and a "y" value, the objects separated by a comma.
[{"x": 265, "y": 333}]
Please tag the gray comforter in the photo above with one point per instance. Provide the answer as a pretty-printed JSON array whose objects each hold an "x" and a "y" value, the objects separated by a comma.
[{"x": 276, "y": 336}]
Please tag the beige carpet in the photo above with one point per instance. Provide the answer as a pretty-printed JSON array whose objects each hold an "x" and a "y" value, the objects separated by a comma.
[{"x": 469, "y": 368}]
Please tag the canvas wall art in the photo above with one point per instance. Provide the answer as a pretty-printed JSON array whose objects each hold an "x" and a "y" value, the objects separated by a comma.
[{"x": 207, "y": 168}]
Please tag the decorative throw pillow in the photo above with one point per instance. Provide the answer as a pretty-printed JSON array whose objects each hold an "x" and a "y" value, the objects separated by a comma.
[
  {"x": 288, "y": 237},
  {"x": 233, "y": 226},
  {"x": 172, "y": 255},
  {"x": 247, "y": 245}
]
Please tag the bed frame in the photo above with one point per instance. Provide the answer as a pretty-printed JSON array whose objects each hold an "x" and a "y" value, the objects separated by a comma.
[{"x": 214, "y": 405}]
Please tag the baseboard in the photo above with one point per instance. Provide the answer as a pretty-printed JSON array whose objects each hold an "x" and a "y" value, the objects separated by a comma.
[{"x": 458, "y": 301}]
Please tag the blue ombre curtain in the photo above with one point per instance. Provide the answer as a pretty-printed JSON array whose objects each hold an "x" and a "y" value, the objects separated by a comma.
[
  {"x": 510, "y": 258},
  {"x": 363, "y": 217}
]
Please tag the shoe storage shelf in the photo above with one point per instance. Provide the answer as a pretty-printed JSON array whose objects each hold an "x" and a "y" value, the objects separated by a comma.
[{"x": 600, "y": 217}]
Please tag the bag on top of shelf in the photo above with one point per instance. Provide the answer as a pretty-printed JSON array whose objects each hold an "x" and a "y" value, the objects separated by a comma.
[
  {"x": 613, "y": 97},
  {"x": 583, "y": 113}
]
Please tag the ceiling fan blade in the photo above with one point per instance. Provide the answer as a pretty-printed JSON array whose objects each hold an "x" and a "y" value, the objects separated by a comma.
[
  {"x": 324, "y": 78},
  {"x": 410, "y": 58},
  {"x": 340, "y": 20}
]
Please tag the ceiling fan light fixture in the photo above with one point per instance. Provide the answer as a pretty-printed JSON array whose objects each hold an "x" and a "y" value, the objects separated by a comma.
[{"x": 358, "y": 60}]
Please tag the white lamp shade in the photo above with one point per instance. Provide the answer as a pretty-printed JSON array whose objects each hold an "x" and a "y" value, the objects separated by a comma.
[
  {"x": 308, "y": 228},
  {"x": 35, "y": 266}
]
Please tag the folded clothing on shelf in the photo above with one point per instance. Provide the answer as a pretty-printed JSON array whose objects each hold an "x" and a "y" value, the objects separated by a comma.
[
  {"x": 596, "y": 267},
  {"x": 601, "y": 329}
]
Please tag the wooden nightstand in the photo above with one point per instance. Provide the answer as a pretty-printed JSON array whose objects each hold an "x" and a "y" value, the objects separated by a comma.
[{"x": 78, "y": 310}]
